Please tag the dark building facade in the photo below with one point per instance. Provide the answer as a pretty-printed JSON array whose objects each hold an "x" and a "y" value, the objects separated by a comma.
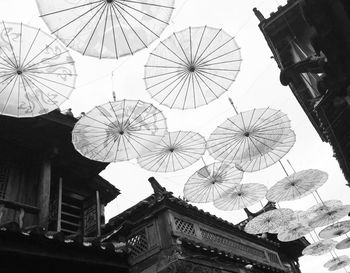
[{"x": 310, "y": 41}]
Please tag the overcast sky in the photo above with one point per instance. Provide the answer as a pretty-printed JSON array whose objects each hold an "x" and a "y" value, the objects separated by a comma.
[{"x": 256, "y": 86}]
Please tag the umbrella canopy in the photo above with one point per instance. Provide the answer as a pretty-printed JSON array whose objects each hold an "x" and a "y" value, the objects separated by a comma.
[
  {"x": 339, "y": 265},
  {"x": 211, "y": 182},
  {"x": 271, "y": 157},
  {"x": 335, "y": 230},
  {"x": 106, "y": 28},
  {"x": 120, "y": 130},
  {"x": 320, "y": 247},
  {"x": 241, "y": 196},
  {"x": 297, "y": 185},
  {"x": 293, "y": 232},
  {"x": 330, "y": 216},
  {"x": 323, "y": 207},
  {"x": 336, "y": 260},
  {"x": 192, "y": 67},
  {"x": 248, "y": 135},
  {"x": 175, "y": 151},
  {"x": 343, "y": 244},
  {"x": 37, "y": 73},
  {"x": 266, "y": 221},
  {"x": 291, "y": 218}
]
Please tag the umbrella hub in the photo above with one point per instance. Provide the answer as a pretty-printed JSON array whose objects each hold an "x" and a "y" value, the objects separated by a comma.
[
  {"x": 109, "y": 1},
  {"x": 293, "y": 183},
  {"x": 171, "y": 149},
  {"x": 246, "y": 134},
  {"x": 19, "y": 71},
  {"x": 191, "y": 68}
]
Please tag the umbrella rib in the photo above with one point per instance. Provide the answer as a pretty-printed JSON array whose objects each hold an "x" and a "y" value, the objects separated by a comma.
[
  {"x": 68, "y": 9},
  {"x": 9, "y": 77},
  {"x": 191, "y": 57},
  {"x": 193, "y": 91},
  {"x": 200, "y": 88},
  {"x": 180, "y": 90},
  {"x": 51, "y": 65},
  {"x": 146, "y": 160},
  {"x": 131, "y": 113},
  {"x": 33, "y": 79},
  {"x": 20, "y": 46},
  {"x": 112, "y": 125},
  {"x": 260, "y": 117},
  {"x": 11, "y": 73},
  {"x": 10, "y": 93},
  {"x": 101, "y": 4},
  {"x": 177, "y": 76},
  {"x": 104, "y": 30},
  {"x": 18, "y": 94},
  {"x": 201, "y": 73},
  {"x": 149, "y": 4},
  {"x": 217, "y": 49},
  {"x": 160, "y": 66},
  {"x": 164, "y": 58},
  {"x": 215, "y": 75},
  {"x": 53, "y": 73},
  {"x": 183, "y": 51},
  {"x": 203, "y": 81},
  {"x": 94, "y": 30},
  {"x": 44, "y": 60},
  {"x": 137, "y": 35},
  {"x": 60, "y": 83},
  {"x": 137, "y": 10},
  {"x": 144, "y": 139},
  {"x": 11, "y": 65},
  {"x": 8, "y": 39},
  {"x": 208, "y": 45},
  {"x": 113, "y": 31},
  {"x": 163, "y": 74},
  {"x": 207, "y": 62}
]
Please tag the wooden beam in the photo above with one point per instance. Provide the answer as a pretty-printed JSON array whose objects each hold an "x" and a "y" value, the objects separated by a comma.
[
  {"x": 44, "y": 193},
  {"x": 59, "y": 204}
]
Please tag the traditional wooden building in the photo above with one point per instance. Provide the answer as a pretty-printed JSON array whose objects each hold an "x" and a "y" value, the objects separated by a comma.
[
  {"x": 51, "y": 200},
  {"x": 166, "y": 234},
  {"x": 310, "y": 42}
]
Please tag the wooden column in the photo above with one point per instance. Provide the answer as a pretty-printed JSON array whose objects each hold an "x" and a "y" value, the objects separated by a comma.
[
  {"x": 98, "y": 211},
  {"x": 44, "y": 193},
  {"x": 59, "y": 204}
]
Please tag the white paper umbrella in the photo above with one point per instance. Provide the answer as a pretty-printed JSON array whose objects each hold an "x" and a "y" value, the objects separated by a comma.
[
  {"x": 339, "y": 265},
  {"x": 211, "y": 182},
  {"x": 335, "y": 230},
  {"x": 320, "y": 247},
  {"x": 336, "y": 260},
  {"x": 241, "y": 196},
  {"x": 293, "y": 232},
  {"x": 175, "y": 151},
  {"x": 37, "y": 73},
  {"x": 192, "y": 67},
  {"x": 343, "y": 244},
  {"x": 290, "y": 218},
  {"x": 271, "y": 157},
  {"x": 330, "y": 216},
  {"x": 106, "y": 28},
  {"x": 266, "y": 221},
  {"x": 323, "y": 207},
  {"x": 120, "y": 130},
  {"x": 297, "y": 185},
  {"x": 248, "y": 135}
]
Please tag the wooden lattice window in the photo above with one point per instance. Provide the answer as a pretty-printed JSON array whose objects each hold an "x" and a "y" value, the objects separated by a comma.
[
  {"x": 4, "y": 177},
  {"x": 184, "y": 227},
  {"x": 138, "y": 244},
  {"x": 216, "y": 238}
]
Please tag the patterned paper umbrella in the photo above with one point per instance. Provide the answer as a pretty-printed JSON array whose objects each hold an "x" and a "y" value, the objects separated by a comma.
[
  {"x": 320, "y": 247},
  {"x": 343, "y": 244},
  {"x": 297, "y": 185},
  {"x": 339, "y": 265},
  {"x": 293, "y": 232},
  {"x": 106, "y": 28},
  {"x": 175, "y": 151},
  {"x": 266, "y": 221},
  {"x": 335, "y": 230},
  {"x": 37, "y": 73},
  {"x": 211, "y": 181},
  {"x": 336, "y": 260},
  {"x": 120, "y": 130},
  {"x": 330, "y": 216},
  {"x": 241, "y": 196},
  {"x": 323, "y": 207},
  {"x": 270, "y": 157},
  {"x": 290, "y": 217},
  {"x": 192, "y": 67},
  {"x": 249, "y": 135}
]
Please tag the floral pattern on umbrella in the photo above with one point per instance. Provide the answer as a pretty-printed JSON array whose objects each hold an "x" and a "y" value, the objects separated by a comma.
[
  {"x": 330, "y": 216},
  {"x": 293, "y": 232},
  {"x": 211, "y": 182},
  {"x": 336, "y": 260},
  {"x": 37, "y": 73},
  {"x": 320, "y": 247},
  {"x": 335, "y": 230}
]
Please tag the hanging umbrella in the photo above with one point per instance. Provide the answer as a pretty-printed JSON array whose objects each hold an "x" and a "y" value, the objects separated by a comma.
[
  {"x": 241, "y": 196},
  {"x": 271, "y": 157},
  {"x": 320, "y": 247},
  {"x": 293, "y": 232},
  {"x": 343, "y": 244},
  {"x": 249, "y": 135},
  {"x": 297, "y": 185},
  {"x": 192, "y": 67},
  {"x": 290, "y": 217},
  {"x": 120, "y": 130},
  {"x": 323, "y": 207},
  {"x": 37, "y": 73},
  {"x": 339, "y": 265},
  {"x": 335, "y": 230},
  {"x": 266, "y": 221},
  {"x": 106, "y": 28},
  {"x": 211, "y": 182},
  {"x": 175, "y": 151},
  {"x": 336, "y": 260},
  {"x": 330, "y": 216}
]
